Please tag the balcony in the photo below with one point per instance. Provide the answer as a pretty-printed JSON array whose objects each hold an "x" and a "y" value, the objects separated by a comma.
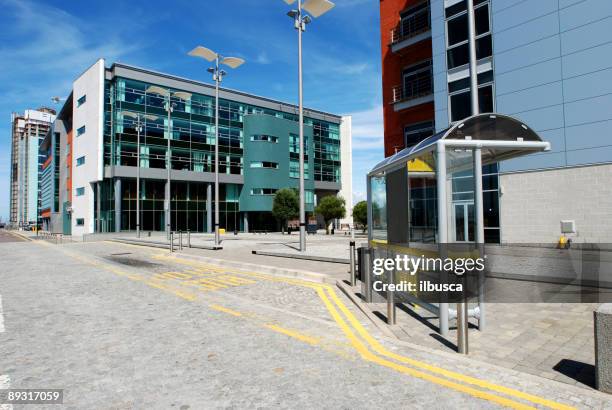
[
  {"x": 414, "y": 26},
  {"x": 416, "y": 90}
]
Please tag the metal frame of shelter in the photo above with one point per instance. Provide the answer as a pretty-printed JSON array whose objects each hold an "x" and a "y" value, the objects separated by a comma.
[{"x": 467, "y": 145}]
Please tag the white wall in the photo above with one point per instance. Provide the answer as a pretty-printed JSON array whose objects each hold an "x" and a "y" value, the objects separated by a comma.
[
  {"x": 90, "y": 144},
  {"x": 534, "y": 203},
  {"x": 32, "y": 172},
  {"x": 346, "y": 158}
]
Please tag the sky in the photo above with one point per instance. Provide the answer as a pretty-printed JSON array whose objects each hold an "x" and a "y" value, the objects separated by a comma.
[{"x": 44, "y": 46}]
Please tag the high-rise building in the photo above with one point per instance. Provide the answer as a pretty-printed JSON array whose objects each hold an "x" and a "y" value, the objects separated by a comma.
[
  {"x": 547, "y": 63},
  {"x": 27, "y": 131},
  {"x": 258, "y": 154}
]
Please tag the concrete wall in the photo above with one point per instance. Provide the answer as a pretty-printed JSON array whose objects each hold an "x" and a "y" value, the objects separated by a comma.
[
  {"x": 346, "y": 171},
  {"x": 32, "y": 172},
  {"x": 533, "y": 203},
  {"x": 90, "y": 144}
]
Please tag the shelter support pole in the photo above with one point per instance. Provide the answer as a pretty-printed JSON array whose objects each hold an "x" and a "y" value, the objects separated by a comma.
[
  {"x": 480, "y": 239},
  {"x": 442, "y": 223}
]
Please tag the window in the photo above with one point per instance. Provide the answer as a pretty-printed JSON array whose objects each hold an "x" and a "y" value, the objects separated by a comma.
[
  {"x": 485, "y": 98},
  {"x": 457, "y": 30},
  {"x": 294, "y": 169},
  {"x": 81, "y": 100},
  {"x": 417, "y": 80},
  {"x": 460, "y": 101},
  {"x": 294, "y": 144},
  {"x": 461, "y": 106},
  {"x": 264, "y": 138},
  {"x": 80, "y": 161},
  {"x": 415, "y": 133},
  {"x": 459, "y": 7},
  {"x": 413, "y": 21},
  {"x": 81, "y": 131},
  {"x": 264, "y": 164},
  {"x": 458, "y": 53},
  {"x": 80, "y": 191},
  {"x": 80, "y": 221},
  {"x": 263, "y": 191}
]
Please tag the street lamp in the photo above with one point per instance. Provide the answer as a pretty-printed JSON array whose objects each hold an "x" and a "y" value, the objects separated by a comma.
[
  {"x": 232, "y": 62},
  {"x": 139, "y": 121},
  {"x": 169, "y": 107},
  {"x": 316, "y": 8}
]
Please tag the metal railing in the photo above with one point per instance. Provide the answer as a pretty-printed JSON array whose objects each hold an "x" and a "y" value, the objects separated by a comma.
[
  {"x": 419, "y": 87},
  {"x": 174, "y": 235},
  {"x": 411, "y": 26}
]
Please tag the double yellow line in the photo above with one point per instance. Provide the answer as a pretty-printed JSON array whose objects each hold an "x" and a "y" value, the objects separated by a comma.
[
  {"x": 371, "y": 350},
  {"x": 368, "y": 347}
]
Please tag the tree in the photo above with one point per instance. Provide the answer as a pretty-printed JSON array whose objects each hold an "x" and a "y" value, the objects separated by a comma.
[
  {"x": 331, "y": 207},
  {"x": 360, "y": 214},
  {"x": 286, "y": 206}
]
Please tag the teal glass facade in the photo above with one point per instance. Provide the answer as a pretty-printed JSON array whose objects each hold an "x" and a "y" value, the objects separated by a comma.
[{"x": 192, "y": 143}]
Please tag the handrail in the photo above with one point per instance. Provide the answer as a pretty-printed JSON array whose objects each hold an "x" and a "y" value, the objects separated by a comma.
[{"x": 411, "y": 26}]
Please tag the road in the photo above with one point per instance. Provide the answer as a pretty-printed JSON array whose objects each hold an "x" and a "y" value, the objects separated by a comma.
[
  {"x": 120, "y": 326},
  {"x": 7, "y": 236}
]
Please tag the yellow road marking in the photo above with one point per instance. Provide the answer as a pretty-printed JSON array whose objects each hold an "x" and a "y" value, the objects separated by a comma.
[
  {"x": 225, "y": 310},
  {"x": 358, "y": 344},
  {"x": 179, "y": 293},
  {"x": 377, "y": 347},
  {"x": 369, "y": 356},
  {"x": 291, "y": 333}
]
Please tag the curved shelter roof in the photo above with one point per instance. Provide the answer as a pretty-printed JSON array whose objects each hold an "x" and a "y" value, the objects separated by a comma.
[{"x": 499, "y": 136}]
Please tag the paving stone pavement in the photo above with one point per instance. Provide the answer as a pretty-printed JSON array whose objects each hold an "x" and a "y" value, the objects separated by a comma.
[{"x": 87, "y": 318}]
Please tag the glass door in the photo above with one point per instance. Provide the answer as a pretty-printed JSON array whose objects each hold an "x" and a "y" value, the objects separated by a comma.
[{"x": 463, "y": 221}]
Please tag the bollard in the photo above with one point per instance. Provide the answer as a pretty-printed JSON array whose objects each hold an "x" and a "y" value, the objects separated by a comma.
[
  {"x": 367, "y": 276},
  {"x": 391, "y": 300},
  {"x": 188, "y": 238},
  {"x": 462, "y": 328},
  {"x": 352, "y": 261},
  {"x": 171, "y": 242},
  {"x": 181, "y": 240}
]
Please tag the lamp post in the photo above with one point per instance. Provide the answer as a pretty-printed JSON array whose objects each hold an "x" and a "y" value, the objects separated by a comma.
[
  {"x": 169, "y": 107},
  {"x": 139, "y": 128},
  {"x": 218, "y": 74},
  {"x": 316, "y": 8}
]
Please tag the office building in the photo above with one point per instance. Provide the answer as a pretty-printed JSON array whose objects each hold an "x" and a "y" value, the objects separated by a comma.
[
  {"x": 547, "y": 63},
  {"x": 96, "y": 133},
  {"x": 27, "y": 131}
]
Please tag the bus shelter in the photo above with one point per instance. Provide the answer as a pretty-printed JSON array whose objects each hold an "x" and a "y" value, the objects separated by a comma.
[{"x": 429, "y": 196}]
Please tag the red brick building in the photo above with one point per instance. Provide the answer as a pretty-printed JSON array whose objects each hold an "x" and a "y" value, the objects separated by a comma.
[{"x": 408, "y": 105}]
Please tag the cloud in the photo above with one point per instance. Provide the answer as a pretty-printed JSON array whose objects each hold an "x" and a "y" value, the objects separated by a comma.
[
  {"x": 46, "y": 49},
  {"x": 368, "y": 130},
  {"x": 262, "y": 58}
]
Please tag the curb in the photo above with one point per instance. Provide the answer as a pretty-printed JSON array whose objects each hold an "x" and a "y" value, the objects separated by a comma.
[
  {"x": 19, "y": 235},
  {"x": 384, "y": 328},
  {"x": 328, "y": 259},
  {"x": 164, "y": 245},
  {"x": 273, "y": 270}
]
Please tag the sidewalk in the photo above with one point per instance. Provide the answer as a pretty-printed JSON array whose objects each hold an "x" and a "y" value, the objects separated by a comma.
[{"x": 554, "y": 341}]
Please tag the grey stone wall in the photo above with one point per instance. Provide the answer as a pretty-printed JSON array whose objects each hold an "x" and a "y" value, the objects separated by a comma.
[{"x": 532, "y": 204}]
